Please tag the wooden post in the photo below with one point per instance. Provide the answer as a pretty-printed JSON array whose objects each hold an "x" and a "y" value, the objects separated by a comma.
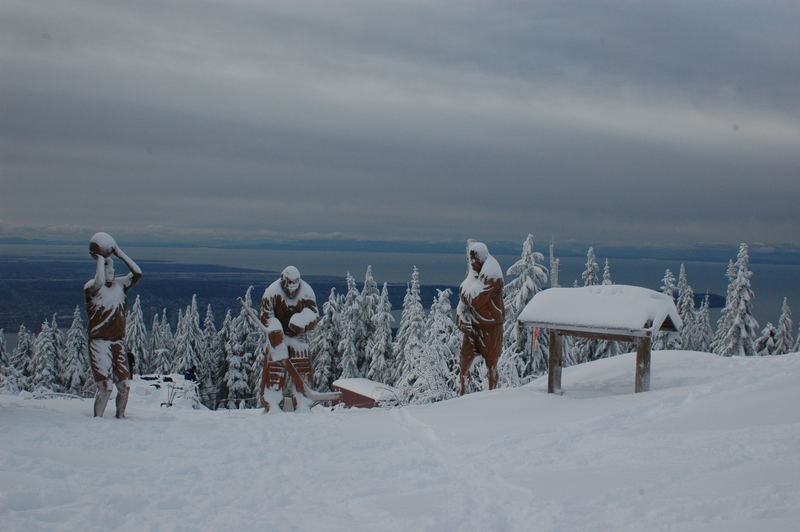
[
  {"x": 643, "y": 365},
  {"x": 554, "y": 362}
]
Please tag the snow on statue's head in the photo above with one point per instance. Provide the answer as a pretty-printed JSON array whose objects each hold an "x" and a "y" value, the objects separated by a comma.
[
  {"x": 290, "y": 281},
  {"x": 102, "y": 244},
  {"x": 477, "y": 253}
]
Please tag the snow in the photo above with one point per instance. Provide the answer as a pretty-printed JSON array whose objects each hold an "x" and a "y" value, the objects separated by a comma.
[
  {"x": 601, "y": 306},
  {"x": 305, "y": 292},
  {"x": 304, "y": 318},
  {"x": 104, "y": 242},
  {"x": 713, "y": 447},
  {"x": 368, "y": 388}
]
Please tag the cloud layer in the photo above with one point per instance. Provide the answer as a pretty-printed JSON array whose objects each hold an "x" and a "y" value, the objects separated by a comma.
[{"x": 605, "y": 121}]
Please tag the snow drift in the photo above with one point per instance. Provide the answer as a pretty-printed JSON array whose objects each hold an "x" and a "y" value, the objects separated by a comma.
[{"x": 714, "y": 446}]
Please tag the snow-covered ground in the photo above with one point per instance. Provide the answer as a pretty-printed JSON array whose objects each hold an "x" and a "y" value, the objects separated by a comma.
[{"x": 714, "y": 446}]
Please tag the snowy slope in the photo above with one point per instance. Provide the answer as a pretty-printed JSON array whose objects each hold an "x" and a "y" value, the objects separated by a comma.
[{"x": 714, "y": 446}]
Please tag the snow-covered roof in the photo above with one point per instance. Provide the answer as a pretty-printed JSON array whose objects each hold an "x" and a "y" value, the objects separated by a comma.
[
  {"x": 377, "y": 391},
  {"x": 618, "y": 308}
]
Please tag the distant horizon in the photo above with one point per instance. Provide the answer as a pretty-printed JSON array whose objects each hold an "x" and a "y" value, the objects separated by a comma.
[{"x": 760, "y": 253}]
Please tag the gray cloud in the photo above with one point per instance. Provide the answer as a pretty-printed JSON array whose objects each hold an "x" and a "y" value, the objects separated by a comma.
[{"x": 614, "y": 121}]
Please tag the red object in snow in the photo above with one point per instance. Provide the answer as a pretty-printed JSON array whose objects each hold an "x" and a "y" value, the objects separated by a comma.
[{"x": 364, "y": 393}]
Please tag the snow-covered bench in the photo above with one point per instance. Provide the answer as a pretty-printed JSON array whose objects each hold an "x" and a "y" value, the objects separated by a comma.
[{"x": 605, "y": 312}]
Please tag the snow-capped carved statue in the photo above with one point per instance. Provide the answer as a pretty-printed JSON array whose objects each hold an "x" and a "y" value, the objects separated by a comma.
[
  {"x": 105, "y": 297},
  {"x": 480, "y": 312},
  {"x": 288, "y": 311}
]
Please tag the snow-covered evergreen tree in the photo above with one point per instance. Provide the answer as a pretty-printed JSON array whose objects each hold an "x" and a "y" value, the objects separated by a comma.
[
  {"x": 663, "y": 339},
  {"x": 607, "y": 273},
  {"x": 765, "y": 344},
  {"x": 74, "y": 360},
  {"x": 784, "y": 340},
  {"x": 589, "y": 275},
  {"x": 350, "y": 329},
  {"x": 369, "y": 300},
  {"x": 348, "y": 361},
  {"x": 218, "y": 392},
  {"x": 739, "y": 340},
  {"x": 136, "y": 335},
  {"x": 379, "y": 346},
  {"x": 723, "y": 322},
  {"x": 9, "y": 376},
  {"x": 530, "y": 277},
  {"x": 189, "y": 343},
  {"x": 163, "y": 346},
  {"x": 44, "y": 359},
  {"x": 22, "y": 358},
  {"x": 411, "y": 327},
  {"x": 431, "y": 373},
  {"x": 585, "y": 349},
  {"x": 686, "y": 311},
  {"x": 325, "y": 344},
  {"x": 239, "y": 356},
  {"x": 212, "y": 356},
  {"x": 704, "y": 335}
]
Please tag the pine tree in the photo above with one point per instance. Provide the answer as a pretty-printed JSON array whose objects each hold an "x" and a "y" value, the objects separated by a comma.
[
  {"x": 724, "y": 322},
  {"x": 434, "y": 374},
  {"x": 369, "y": 300},
  {"x": 218, "y": 392},
  {"x": 136, "y": 335},
  {"x": 607, "y": 274},
  {"x": 213, "y": 355},
  {"x": 44, "y": 359},
  {"x": 164, "y": 348},
  {"x": 589, "y": 275},
  {"x": 189, "y": 340},
  {"x": 686, "y": 312},
  {"x": 666, "y": 340},
  {"x": 151, "y": 361},
  {"x": 9, "y": 376},
  {"x": 74, "y": 360},
  {"x": 325, "y": 344},
  {"x": 412, "y": 322},
  {"x": 740, "y": 337},
  {"x": 22, "y": 358},
  {"x": 379, "y": 346},
  {"x": 586, "y": 349},
  {"x": 240, "y": 356},
  {"x": 784, "y": 337},
  {"x": 518, "y": 349},
  {"x": 765, "y": 344},
  {"x": 704, "y": 335},
  {"x": 348, "y": 363},
  {"x": 348, "y": 327}
]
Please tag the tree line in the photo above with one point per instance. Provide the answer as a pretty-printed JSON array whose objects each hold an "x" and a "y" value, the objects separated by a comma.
[{"x": 355, "y": 337}]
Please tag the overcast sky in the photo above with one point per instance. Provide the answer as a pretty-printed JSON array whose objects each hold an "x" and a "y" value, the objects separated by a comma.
[{"x": 616, "y": 122}]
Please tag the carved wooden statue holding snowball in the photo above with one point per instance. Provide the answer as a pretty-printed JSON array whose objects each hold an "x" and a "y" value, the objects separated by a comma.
[
  {"x": 480, "y": 312},
  {"x": 105, "y": 297}
]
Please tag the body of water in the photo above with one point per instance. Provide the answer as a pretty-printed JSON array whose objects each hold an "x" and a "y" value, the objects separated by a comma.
[{"x": 770, "y": 282}]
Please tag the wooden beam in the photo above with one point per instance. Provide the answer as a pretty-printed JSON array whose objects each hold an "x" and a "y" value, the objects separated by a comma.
[
  {"x": 554, "y": 362},
  {"x": 643, "y": 365},
  {"x": 599, "y": 336},
  {"x": 565, "y": 328}
]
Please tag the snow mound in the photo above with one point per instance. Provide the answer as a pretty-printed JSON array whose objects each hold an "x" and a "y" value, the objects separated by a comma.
[
  {"x": 713, "y": 447},
  {"x": 603, "y": 306}
]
